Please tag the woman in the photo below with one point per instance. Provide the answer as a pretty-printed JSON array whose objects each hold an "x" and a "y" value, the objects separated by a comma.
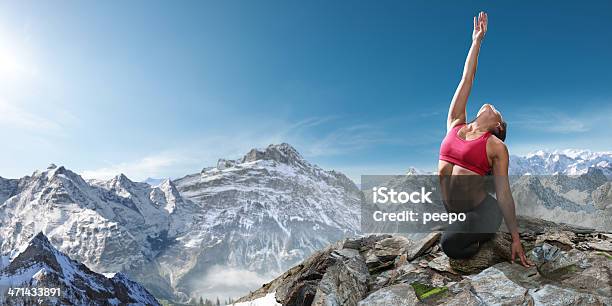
[{"x": 468, "y": 153}]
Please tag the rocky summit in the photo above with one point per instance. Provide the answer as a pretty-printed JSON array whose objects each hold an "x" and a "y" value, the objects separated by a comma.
[{"x": 572, "y": 266}]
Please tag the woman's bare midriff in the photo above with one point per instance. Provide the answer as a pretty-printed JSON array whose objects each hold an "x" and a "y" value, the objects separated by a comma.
[{"x": 462, "y": 189}]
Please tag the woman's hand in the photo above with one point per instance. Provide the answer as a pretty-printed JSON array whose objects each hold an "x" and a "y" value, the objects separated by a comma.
[
  {"x": 480, "y": 26},
  {"x": 517, "y": 250}
]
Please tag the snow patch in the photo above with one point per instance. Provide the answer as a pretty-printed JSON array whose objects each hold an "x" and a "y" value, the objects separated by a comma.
[{"x": 268, "y": 300}]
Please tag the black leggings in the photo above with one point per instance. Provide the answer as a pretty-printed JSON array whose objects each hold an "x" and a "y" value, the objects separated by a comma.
[{"x": 462, "y": 239}]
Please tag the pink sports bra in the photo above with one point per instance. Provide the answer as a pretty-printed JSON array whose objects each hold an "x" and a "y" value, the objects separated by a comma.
[{"x": 469, "y": 154}]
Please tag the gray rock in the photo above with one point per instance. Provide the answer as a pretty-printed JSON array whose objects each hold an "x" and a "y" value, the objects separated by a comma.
[
  {"x": 404, "y": 273},
  {"x": 398, "y": 294},
  {"x": 553, "y": 295},
  {"x": 463, "y": 298},
  {"x": 551, "y": 261},
  {"x": 389, "y": 248},
  {"x": 493, "y": 287},
  {"x": 605, "y": 246},
  {"x": 596, "y": 277},
  {"x": 345, "y": 282},
  {"x": 525, "y": 277},
  {"x": 298, "y": 286},
  {"x": 422, "y": 245},
  {"x": 384, "y": 253},
  {"x": 491, "y": 252},
  {"x": 442, "y": 264},
  {"x": 540, "y": 226},
  {"x": 561, "y": 239},
  {"x": 410, "y": 274}
]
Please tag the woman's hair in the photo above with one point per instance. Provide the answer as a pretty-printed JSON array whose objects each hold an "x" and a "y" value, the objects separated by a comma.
[{"x": 501, "y": 133}]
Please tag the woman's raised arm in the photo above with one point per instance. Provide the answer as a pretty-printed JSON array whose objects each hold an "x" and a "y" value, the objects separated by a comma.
[{"x": 457, "y": 112}]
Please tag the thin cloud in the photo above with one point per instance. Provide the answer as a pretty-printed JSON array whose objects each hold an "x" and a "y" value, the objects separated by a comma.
[
  {"x": 150, "y": 166},
  {"x": 554, "y": 123},
  {"x": 346, "y": 139},
  {"x": 15, "y": 117},
  {"x": 311, "y": 122},
  {"x": 198, "y": 154},
  {"x": 587, "y": 130},
  {"x": 332, "y": 139},
  {"x": 561, "y": 123},
  {"x": 335, "y": 138}
]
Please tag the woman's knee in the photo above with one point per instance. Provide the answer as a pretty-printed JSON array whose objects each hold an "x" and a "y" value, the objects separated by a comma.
[
  {"x": 455, "y": 246},
  {"x": 450, "y": 246}
]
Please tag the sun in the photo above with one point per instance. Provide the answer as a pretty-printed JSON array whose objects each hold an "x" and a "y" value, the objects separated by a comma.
[{"x": 15, "y": 59}]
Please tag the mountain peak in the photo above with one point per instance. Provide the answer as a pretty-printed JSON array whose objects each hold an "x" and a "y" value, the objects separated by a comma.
[
  {"x": 122, "y": 180},
  {"x": 282, "y": 153},
  {"x": 38, "y": 251},
  {"x": 41, "y": 238},
  {"x": 168, "y": 185},
  {"x": 58, "y": 174},
  {"x": 42, "y": 264},
  {"x": 40, "y": 243},
  {"x": 52, "y": 170},
  {"x": 538, "y": 153}
]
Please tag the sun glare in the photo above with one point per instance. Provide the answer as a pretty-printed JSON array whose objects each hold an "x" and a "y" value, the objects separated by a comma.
[{"x": 15, "y": 63}]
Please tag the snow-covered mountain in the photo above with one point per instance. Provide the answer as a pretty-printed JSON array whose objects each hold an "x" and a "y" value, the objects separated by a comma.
[
  {"x": 569, "y": 162},
  {"x": 39, "y": 265},
  {"x": 108, "y": 225},
  {"x": 571, "y": 186},
  {"x": 253, "y": 216},
  {"x": 154, "y": 182},
  {"x": 543, "y": 162},
  {"x": 263, "y": 213},
  {"x": 111, "y": 226},
  {"x": 578, "y": 199}
]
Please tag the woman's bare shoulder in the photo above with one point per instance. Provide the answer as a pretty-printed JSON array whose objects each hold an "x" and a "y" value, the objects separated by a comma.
[{"x": 496, "y": 148}]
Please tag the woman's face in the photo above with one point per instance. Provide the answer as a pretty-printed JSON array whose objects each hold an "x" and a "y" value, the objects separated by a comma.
[{"x": 489, "y": 114}]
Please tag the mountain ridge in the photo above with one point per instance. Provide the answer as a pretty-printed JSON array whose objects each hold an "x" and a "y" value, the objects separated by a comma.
[
  {"x": 567, "y": 161},
  {"x": 40, "y": 265},
  {"x": 162, "y": 235},
  {"x": 168, "y": 235}
]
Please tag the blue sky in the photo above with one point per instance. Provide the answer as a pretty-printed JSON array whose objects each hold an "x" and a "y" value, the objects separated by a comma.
[{"x": 165, "y": 88}]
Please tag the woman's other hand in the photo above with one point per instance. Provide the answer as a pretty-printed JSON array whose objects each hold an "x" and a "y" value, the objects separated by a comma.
[{"x": 517, "y": 250}]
